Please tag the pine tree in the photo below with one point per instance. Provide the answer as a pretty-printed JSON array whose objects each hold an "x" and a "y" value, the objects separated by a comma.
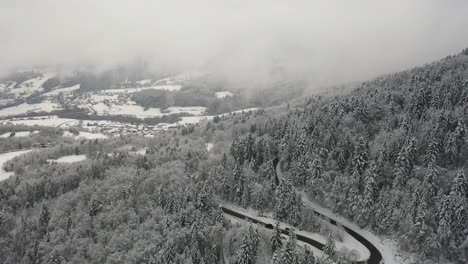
[
  {"x": 315, "y": 172},
  {"x": 307, "y": 257},
  {"x": 354, "y": 199},
  {"x": 404, "y": 164},
  {"x": 330, "y": 248},
  {"x": 44, "y": 218},
  {"x": 239, "y": 184},
  {"x": 368, "y": 197},
  {"x": 248, "y": 250},
  {"x": 360, "y": 156},
  {"x": 276, "y": 240},
  {"x": 444, "y": 215},
  {"x": 430, "y": 180},
  {"x": 459, "y": 186},
  {"x": 432, "y": 153},
  {"x": 459, "y": 203}
]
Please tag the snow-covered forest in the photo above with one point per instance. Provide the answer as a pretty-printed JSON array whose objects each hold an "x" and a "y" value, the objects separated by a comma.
[{"x": 388, "y": 157}]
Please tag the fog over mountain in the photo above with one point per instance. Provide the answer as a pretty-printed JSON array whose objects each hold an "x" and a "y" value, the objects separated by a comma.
[{"x": 323, "y": 41}]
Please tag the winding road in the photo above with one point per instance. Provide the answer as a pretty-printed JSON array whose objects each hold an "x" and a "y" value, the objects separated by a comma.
[{"x": 375, "y": 254}]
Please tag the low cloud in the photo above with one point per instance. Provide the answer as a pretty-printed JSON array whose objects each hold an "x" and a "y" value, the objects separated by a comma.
[{"x": 327, "y": 42}]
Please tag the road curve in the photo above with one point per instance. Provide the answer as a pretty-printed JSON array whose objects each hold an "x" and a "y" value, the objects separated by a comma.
[{"x": 375, "y": 255}]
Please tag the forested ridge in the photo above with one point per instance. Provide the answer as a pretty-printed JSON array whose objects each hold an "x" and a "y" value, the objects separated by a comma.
[{"x": 390, "y": 156}]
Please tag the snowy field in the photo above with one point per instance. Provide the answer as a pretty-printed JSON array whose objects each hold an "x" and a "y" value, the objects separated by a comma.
[
  {"x": 223, "y": 94},
  {"x": 28, "y": 87},
  {"x": 64, "y": 91},
  {"x": 193, "y": 110},
  {"x": 166, "y": 87},
  {"x": 6, "y": 157},
  {"x": 85, "y": 135},
  {"x": 6, "y": 101},
  {"x": 145, "y": 82},
  {"x": 18, "y": 134},
  {"x": 68, "y": 159},
  {"x": 25, "y": 108},
  {"x": 131, "y": 109}
]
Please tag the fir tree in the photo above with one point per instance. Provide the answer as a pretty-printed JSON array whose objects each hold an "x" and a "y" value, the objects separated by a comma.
[
  {"x": 360, "y": 156},
  {"x": 44, "y": 218},
  {"x": 276, "y": 240},
  {"x": 330, "y": 247}
]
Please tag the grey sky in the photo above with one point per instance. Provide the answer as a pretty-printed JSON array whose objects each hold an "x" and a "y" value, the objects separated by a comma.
[{"x": 327, "y": 41}]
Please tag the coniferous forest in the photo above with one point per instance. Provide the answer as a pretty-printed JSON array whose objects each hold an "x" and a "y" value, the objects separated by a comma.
[{"x": 390, "y": 156}]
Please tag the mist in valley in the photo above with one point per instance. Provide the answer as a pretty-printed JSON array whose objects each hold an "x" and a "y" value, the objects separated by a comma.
[{"x": 321, "y": 42}]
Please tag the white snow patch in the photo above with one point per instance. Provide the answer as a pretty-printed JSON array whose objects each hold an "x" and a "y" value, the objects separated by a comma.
[
  {"x": 68, "y": 159},
  {"x": 247, "y": 110},
  {"x": 6, "y": 157},
  {"x": 30, "y": 108},
  {"x": 30, "y": 86},
  {"x": 18, "y": 134},
  {"x": 138, "y": 152},
  {"x": 223, "y": 94},
  {"x": 167, "y": 87},
  {"x": 48, "y": 121},
  {"x": 126, "y": 110},
  {"x": 209, "y": 146},
  {"x": 85, "y": 135},
  {"x": 122, "y": 90},
  {"x": 144, "y": 82},
  {"x": 66, "y": 90},
  {"x": 193, "y": 110},
  {"x": 89, "y": 135},
  {"x": 6, "y": 101}
]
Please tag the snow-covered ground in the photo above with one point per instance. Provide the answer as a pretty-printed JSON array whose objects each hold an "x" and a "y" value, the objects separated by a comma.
[
  {"x": 48, "y": 121},
  {"x": 223, "y": 94},
  {"x": 25, "y": 108},
  {"x": 166, "y": 87},
  {"x": 18, "y": 134},
  {"x": 241, "y": 111},
  {"x": 132, "y": 109},
  {"x": 145, "y": 82},
  {"x": 209, "y": 146},
  {"x": 138, "y": 152},
  {"x": 193, "y": 110},
  {"x": 6, "y": 157},
  {"x": 180, "y": 78},
  {"x": 85, "y": 135},
  {"x": 68, "y": 159},
  {"x": 28, "y": 87},
  {"x": 63, "y": 91},
  {"x": 6, "y": 101},
  {"x": 388, "y": 254}
]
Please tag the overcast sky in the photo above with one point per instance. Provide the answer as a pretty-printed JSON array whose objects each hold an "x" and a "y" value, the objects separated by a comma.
[{"x": 327, "y": 41}]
